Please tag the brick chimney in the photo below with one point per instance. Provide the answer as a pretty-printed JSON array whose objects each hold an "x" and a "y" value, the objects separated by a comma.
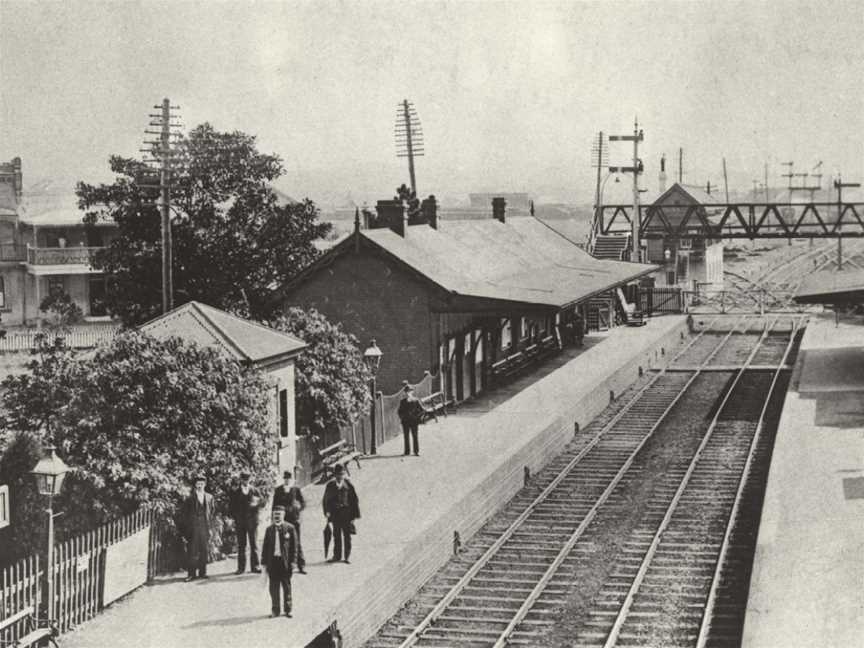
[
  {"x": 499, "y": 206},
  {"x": 429, "y": 207},
  {"x": 11, "y": 173},
  {"x": 392, "y": 214}
]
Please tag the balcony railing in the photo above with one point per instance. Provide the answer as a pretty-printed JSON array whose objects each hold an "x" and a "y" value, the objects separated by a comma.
[{"x": 61, "y": 256}]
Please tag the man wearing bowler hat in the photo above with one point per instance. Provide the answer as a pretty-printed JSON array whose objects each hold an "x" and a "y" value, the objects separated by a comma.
[
  {"x": 245, "y": 501},
  {"x": 341, "y": 507},
  {"x": 290, "y": 497},
  {"x": 197, "y": 516},
  {"x": 278, "y": 552}
]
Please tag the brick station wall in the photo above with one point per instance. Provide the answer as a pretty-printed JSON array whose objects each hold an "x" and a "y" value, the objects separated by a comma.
[{"x": 350, "y": 292}]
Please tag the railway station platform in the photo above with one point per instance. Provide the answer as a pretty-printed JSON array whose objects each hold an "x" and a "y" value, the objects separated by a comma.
[
  {"x": 471, "y": 463},
  {"x": 807, "y": 587}
]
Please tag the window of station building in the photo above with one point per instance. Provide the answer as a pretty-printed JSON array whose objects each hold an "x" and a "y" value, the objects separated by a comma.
[
  {"x": 283, "y": 413},
  {"x": 2, "y": 292},
  {"x": 523, "y": 329},
  {"x": 670, "y": 278}
]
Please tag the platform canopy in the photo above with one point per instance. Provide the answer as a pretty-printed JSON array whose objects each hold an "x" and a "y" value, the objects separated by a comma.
[{"x": 832, "y": 287}]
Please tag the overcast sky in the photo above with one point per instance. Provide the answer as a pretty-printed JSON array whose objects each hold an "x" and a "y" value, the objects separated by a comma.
[{"x": 509, "y": 94}]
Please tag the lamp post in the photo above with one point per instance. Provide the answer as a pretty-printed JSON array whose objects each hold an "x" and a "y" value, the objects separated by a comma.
[
  {"x": 372, "y": 358},
  {"x": 49, "y": 474}
]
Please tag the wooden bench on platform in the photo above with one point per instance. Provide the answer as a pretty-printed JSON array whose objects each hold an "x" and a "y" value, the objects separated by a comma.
[
  {"x": 338, "y": 454},
  {"x": 39, "y": 632},
  {"x": 432, "y": 403}
]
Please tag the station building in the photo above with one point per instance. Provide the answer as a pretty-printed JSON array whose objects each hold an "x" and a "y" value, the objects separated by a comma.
[{"x": 468, "y": 298}]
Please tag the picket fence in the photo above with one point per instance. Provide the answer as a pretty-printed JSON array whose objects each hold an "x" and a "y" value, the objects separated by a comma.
[
  {"x": 80, "y": 337},
  {"x": 85, "y": 568}
]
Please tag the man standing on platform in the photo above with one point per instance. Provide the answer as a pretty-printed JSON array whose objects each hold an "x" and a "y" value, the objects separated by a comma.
[
  {"x": 245, "y": 501},
  {"x": 290, "y": 497},
  {"x": 410, "y": 414},
  {"x": 277, "y": 553},
  {"x": 341, "y": 507},
  {"x": 197, "y": 516}
]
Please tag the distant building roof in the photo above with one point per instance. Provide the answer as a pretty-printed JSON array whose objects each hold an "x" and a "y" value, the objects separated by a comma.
[
  {"x": 832, "y": 287},
  {"x": 241, "y": 339},
  {"x": 522, "y": 260},
  {"x": 698, "y": 194}
]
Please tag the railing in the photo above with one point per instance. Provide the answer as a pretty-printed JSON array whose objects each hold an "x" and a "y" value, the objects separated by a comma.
[
  {"x": 61, "y": 256},
  {"x": 80, "y": 337}
]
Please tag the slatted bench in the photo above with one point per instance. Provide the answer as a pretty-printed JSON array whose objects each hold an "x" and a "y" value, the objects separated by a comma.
[
  {"x": 509, "y": 366},
  {"x": 338, "y": 454},
  {"x": 432, "y": 403},
  {"x": 39, "y": 632}
]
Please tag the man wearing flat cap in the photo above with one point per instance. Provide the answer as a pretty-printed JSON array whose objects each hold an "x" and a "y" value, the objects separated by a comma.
[
  {"x": 291, "y": 498},
  {"x": 341, "y": 507},
  {"x": 197, "y": 517},
  {"x": 245, "y": 500},
  {"x": 278, "y": 552}
]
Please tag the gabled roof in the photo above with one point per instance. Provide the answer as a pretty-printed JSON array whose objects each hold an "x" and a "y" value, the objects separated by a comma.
[
  {"x": 521, "y": 260},
  {"x": 239, "y": 338},
  {"x": 831, "y": 287},
  {"x": 698, "y": 194}
]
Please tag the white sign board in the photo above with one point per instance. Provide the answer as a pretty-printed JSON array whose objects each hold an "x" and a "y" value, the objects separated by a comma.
[
  {"x": 126, "y": 565},
  {"x": 4, "y": 506}
]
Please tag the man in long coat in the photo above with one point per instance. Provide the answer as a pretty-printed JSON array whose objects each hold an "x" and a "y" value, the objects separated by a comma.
[
  {"x": 197, "y": 516},
  {"x": 245, "y": 501},
  {"x": 277, "y": 553},
  {"x": 341, "y": 507}
]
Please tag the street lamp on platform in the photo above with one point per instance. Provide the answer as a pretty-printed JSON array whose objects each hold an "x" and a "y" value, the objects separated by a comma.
[
  {"x": 372, "y": 358},
  {"x": 49, "y": 473}
]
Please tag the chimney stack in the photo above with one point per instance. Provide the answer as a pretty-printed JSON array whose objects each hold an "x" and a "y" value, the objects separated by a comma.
[
  {"x": 499, "y": 207},
  {"x": 429, "y": 208},
  {"x": 392, "y": 214}
]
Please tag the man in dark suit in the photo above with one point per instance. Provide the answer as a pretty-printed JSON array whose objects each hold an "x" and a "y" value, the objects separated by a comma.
[
  {"x": 410, "y": 414},
  {"x": 341, "y": 507},
  {"x": 245, "y": 501},
  {"x": 197, "y": 517},
  {"x": 278, "y": 552},
  {"x": 291, "y": 497}
]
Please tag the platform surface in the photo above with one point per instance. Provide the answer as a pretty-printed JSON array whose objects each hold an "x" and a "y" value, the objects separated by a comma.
[
  {"x": 807, "y": 588},
  {"x": 401, "y": 498}
]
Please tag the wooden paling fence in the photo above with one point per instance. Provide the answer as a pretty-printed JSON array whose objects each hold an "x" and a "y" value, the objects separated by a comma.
[
  {"x": 20, "y": 588},
  {"x": 90, "y": 571},
  {"x": 80, "y": 337}
]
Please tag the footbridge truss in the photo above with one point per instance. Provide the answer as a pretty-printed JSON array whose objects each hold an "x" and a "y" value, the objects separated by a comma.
[{"x": 738, "y": 220}]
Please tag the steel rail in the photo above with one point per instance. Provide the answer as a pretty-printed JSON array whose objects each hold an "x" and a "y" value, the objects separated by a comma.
[
  {"x": 708, "y": 613},
  {"x": 460, "y": 585},
  {"x": 535, "y": 593},
  {"x": 655, "y": 543}
]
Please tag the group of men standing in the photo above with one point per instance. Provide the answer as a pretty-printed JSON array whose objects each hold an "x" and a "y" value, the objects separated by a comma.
[{"x": 282, "y": 546}]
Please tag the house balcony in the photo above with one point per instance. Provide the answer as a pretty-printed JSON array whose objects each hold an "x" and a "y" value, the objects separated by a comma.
[
  {"x": 60, "y": 260},
  {"x": 12, "y": 252}
]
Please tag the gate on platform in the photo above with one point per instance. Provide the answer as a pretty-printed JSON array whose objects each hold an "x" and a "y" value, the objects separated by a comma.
[{"x": 663, "y": 299}]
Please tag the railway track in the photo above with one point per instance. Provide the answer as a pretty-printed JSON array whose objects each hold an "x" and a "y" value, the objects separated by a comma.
[{"x": 507, "y": 587}]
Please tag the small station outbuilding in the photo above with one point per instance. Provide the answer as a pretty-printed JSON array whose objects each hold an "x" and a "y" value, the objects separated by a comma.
[
  {"x": 461, "y": 297},
  {"x": 272, "y": 352}
]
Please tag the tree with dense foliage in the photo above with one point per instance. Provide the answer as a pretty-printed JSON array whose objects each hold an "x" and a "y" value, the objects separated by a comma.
[
  {"x": 234, "y": 239},
  {"x": 136, "y": 419},
  {"x": 332, "y": 381}
]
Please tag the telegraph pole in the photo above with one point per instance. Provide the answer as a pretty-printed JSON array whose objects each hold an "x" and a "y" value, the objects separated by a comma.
[
  {"x": 680, "y": 166},
  {"x": 725, "y": 181},
  {"x": 601, "y": 160},
  {"x": 636, "y": 169},
  {"x": 162, "y": 152},
  {"x": 409, "y": 137}
]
